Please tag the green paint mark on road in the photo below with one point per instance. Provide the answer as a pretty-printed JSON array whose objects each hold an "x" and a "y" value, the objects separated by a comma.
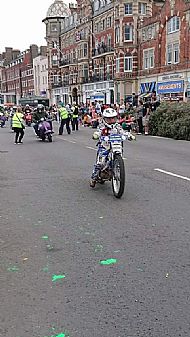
[
  {"x": 140, "y": 269},
  {"x": 45, "y": 269},
  {"x": 14, "y": 268},
  {"x": 45, "y": 237},
  {"x": 57, "y": 277},
  {"x": 98, "y": 248},
  {"x": 49, "y": 247},
  {"x": 109, "y": 261}
]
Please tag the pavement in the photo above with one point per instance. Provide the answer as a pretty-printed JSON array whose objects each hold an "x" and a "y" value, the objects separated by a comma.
[{"x": 55, "y": 232}]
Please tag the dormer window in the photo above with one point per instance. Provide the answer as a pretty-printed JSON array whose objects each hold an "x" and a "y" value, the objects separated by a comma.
[
  {"x": 173, "y": 24},
  {"x": 53, "y": 27}
]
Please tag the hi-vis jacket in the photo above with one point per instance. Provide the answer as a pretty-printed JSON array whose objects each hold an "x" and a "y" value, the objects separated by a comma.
[
  {"x": 63, "y": 113},
  {"x": 17, "y": 120}
]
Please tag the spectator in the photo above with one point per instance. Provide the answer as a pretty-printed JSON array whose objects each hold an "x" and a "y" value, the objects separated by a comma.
[{"x": 139, "y": 113}]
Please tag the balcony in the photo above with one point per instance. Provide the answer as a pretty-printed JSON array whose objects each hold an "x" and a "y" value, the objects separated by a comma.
[
  {"x": 100, "y": 78},
  {"x": 66, "y": 63},
  {"x": 82, "y": 38},
  {"x": 56, "y": 85},
  {"x": 101, "y": 50},
  {"x": 84, "y": 80}
]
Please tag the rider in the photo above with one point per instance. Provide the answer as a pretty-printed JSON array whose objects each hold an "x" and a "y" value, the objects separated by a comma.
[
  {"x": 109, "y": 125},
  {"x": 39, "y": 113}
]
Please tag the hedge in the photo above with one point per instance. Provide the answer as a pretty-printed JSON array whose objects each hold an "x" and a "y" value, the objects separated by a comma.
[{"x": 171, "y": 120}]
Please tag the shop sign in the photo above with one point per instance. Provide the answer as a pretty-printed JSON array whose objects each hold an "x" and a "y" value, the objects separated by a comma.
[
  {"x": 171, "y": 77},
  {"x": 170, "y": 87}
]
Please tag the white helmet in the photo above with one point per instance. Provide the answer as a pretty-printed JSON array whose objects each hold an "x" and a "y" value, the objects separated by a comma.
[{"x": 109, "y": 117}]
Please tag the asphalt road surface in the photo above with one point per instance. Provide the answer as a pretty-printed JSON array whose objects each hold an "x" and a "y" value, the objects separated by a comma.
[{"x": 55, "y": 230}]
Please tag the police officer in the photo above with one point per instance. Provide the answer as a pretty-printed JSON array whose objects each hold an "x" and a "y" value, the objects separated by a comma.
[
  {"x": 75, "y": 116},
  {"x": 65, "y": 119}
]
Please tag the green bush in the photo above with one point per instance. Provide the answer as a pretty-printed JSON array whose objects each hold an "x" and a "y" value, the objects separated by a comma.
[{"x": 171, "y": 120}]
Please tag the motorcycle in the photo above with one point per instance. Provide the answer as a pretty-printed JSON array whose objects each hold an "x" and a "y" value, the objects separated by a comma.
[
  {"x": 110, "y": 160},
  {"x": 28, "y": 119},
  {"x": 45, "y": 130}
]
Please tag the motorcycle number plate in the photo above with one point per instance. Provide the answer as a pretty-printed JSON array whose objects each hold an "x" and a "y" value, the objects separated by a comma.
[{"x": 117, "y": 148}]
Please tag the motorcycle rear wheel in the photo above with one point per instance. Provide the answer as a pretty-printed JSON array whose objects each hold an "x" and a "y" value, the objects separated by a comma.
[{"x": 118, "y": 179}]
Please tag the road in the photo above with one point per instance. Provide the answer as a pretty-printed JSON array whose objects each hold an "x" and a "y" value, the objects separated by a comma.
[{"x": 55, "y": 230}]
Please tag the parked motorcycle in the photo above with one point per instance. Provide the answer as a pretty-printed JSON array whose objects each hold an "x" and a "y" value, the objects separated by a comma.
[
  {"x": 45, "y": 130},
  {"x": 110, "y": 159}
]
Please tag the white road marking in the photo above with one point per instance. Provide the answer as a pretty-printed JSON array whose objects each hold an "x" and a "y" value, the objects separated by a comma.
[
  {"x": 69, "y": 141},
  {"x": 91, "y": 148},
  {"x": 172, "y": 174},
  {"x": 159, "y": 137}
]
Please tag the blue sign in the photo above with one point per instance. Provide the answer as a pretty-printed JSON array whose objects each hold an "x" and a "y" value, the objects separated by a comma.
[
  {"x": 148, "y": 87},
  {"x": 170, "y": 87}
]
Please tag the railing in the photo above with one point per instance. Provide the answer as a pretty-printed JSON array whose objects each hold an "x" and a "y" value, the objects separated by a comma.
[
  {"x": 102, "y": 49},
  {"x": 84, "y": 79},
  {"x": 56, "y": 85},
  {"x": 100, "y": 78},
  {"x": 67, "y": 62}
]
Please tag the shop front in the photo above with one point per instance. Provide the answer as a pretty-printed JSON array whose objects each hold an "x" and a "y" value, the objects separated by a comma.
[
  {"x": 171, "y": 90},
  {"x": 100, "y": 91}
]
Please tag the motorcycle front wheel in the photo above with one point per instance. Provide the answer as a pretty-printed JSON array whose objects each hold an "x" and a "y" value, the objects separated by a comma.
[
  {"x": 50, "y": 137},
  {"x": 118, "y": 179}
]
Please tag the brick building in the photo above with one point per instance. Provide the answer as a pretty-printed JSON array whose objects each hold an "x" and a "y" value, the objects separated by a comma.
[
  {"x": 164, "y": 51},
  {"x": 17, "y": 73},
  {"x": 107, "y": 50}
]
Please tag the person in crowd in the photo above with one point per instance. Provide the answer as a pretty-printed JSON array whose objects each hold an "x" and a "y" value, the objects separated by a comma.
[
  {"x": 18, "y": 125},
  {"x": 139, "y": 116},
  {"x": 65, "y": 120},
  {"x": 75, "y": 115},
  {"x": 146, "y": 115},
  {"x": 98, "y": 107},
  {"x": 87, "y": 121}
]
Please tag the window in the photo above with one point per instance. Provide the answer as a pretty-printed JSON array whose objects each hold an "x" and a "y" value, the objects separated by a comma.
[
  {"x": 85, "y": 50},
  {"x": 109, "y": 42},
  {"x": 173, "y": 53},
  {"x": 148, "y": 58},
  {"x": 128, "y": 33},
  {"x": 142, "y": 8},
  {"x": 96, "y": 5},
  {"x": 117, "y": 11},
  {"x": 176, "y": 52},
  {"x": 117, "y": 34},
  {"x": 173, "y": 24},
  {"x": 109, "y": 22},
  {"x": 128, "y": 8},
  {"x": 117, "y": 68},
  {"x": 53, "y": 27},
  {"x": 128, "y": 63},
  {"x": 169, "y": 54}
]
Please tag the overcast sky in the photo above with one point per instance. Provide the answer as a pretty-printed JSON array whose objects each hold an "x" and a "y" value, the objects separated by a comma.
[{"x": 21, "y": 23}]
